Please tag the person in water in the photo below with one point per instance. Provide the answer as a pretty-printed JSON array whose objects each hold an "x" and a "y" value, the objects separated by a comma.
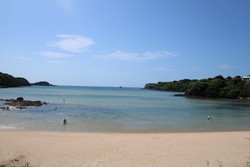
[
  {"x": 209, "y": 117},
  {"x": 64, "y": 121}
]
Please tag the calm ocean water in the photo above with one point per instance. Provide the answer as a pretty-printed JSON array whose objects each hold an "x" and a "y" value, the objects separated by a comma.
[{"x": 106, "y": 109}]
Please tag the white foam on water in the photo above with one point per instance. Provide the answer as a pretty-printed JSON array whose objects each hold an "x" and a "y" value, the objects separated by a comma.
[{"x": 7, "y": 127}]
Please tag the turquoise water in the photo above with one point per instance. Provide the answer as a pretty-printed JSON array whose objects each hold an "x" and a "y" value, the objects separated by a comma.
[{"x": 106, "y": 109}]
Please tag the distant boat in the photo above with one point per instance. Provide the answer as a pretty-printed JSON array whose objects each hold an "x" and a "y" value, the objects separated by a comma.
[{"x": 120, "y": 87}]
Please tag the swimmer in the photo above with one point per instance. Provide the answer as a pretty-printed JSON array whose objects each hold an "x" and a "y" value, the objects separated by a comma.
[{"x": 64, "y": 121}]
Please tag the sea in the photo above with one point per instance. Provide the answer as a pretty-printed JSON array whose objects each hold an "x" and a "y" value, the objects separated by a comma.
[{"x": 120, "y": 110}]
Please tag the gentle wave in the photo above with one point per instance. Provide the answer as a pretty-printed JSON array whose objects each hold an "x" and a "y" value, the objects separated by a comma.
[{"x": 6, "y": 127}]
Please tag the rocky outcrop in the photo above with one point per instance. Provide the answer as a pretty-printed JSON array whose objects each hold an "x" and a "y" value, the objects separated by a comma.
[
  {"x": 21, "y": 103},
  {"x": 179, "y": 94}
]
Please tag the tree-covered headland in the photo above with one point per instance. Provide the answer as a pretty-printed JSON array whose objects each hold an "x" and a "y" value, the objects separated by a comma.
[
  {"x": 217, "y": 87},
  {"x": 7, "y": 80}
]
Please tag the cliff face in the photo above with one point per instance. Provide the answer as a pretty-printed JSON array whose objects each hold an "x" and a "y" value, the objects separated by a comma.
[{"x": 7, "y": 80}]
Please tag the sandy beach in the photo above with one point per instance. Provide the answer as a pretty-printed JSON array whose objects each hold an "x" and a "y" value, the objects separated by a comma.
[{"x": 56, "y": 149}]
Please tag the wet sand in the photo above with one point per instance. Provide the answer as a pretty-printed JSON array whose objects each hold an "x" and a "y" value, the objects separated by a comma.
[{"x": 57, "y": 149}]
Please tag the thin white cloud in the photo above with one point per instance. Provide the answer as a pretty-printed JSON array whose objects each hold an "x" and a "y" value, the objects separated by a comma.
[
  {"x": 55, "y": 55},
  {"x": 225, "y": 67},
  {"x": 72, "y": 43},
  {"x": 120, "y": 55}
]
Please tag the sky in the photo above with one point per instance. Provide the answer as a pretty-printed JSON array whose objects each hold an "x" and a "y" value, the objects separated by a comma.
[{"x": 124, "y": 42}]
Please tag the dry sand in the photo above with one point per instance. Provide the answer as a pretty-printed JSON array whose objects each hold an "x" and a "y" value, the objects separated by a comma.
[{"x": 49, "y": 149}]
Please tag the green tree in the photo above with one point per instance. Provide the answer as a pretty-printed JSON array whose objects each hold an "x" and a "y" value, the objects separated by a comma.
[
  {"x": 214, "y": 87},
  {"x": 7, "y": 80},
  {"x": 197, "y": 88}
]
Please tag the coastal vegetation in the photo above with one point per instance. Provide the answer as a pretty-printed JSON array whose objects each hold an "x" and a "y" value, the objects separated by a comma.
[
  {"x": 217, "y": 87},
  {"x": 7, "y": 80},
  {"x": 176, "y": 86},
  {"x": 42, "y": 83}
]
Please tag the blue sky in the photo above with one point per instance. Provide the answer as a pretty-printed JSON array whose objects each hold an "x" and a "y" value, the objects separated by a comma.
[{"x": 124, "y": 42}]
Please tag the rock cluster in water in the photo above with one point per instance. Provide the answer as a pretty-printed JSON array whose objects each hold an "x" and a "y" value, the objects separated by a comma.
[{"x": 22, "y": 104}]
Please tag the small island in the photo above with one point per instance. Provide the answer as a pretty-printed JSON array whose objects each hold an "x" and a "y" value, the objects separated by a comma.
[{"x": 42, "y": 83}]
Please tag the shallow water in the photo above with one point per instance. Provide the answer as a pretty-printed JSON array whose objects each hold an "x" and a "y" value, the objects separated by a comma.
[{"x": 106, "y": 109}]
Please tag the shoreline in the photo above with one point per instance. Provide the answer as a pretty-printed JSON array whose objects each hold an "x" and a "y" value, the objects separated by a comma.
[
  {"x": 239, "y": 99},
  {"x": 124, "y": 149}
]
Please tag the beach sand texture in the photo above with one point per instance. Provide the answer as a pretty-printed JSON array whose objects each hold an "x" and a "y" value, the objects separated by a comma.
[{"x": 40, "y": 149}]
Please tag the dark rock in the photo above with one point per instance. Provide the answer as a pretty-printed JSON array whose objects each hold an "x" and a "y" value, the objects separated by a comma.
[
  {"x": 5, "y": 108},
  {"x": 22, "y": 104},
  {"x": 20, "y": 99},
  {"x": 20, "y": 107},
  {"x": 179, "y": 94}
]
